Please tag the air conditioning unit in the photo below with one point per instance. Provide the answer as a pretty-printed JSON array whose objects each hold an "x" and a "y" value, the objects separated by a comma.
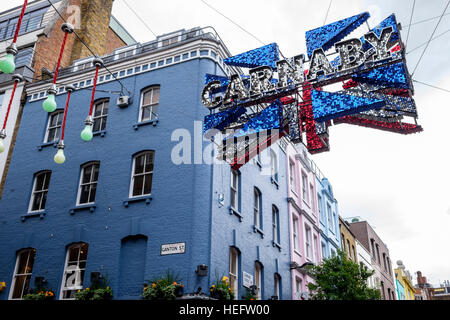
[{"x": 123, "y": 101}]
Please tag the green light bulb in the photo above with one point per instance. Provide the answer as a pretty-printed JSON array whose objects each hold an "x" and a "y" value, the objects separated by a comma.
[
  {"x": 49, "y": 104},
  {"x": 2, "y": 145},
  {"x": 7, "y": 65},
  {"x": 86, "y": 134},
  {"x": 59, "y": 157}
]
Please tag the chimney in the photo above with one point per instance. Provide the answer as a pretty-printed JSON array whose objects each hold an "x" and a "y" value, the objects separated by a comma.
[{"x": 93, "y": 28}]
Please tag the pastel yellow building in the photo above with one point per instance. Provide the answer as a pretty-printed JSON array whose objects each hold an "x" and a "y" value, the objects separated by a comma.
[{"x": 405, "y": 287}]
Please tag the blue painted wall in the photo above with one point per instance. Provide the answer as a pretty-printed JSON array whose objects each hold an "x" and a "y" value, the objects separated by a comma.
[
  {"x": 330, "y": 235},
  {"x": 184, "y": 198}
]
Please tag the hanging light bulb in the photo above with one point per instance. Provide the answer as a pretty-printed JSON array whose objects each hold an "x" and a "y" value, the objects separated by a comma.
[
  {"x": 49, "y": 104},
  {"x": 87, "y": 134},
  {"x": 7, "y": 64},
  {"x": 60, "y": 158},
  {"x": 2, "y": 138}
]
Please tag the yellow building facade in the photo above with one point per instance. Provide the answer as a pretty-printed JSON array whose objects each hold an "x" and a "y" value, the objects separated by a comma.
[{"x": 404, "y": 279}]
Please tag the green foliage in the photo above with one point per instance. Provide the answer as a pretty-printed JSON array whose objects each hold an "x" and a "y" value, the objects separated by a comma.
[
  {"x": 40, "y": 295},
  {"x": 162, "y": 288},
  {"x": 221, "y": 289},
  {"x": 89, "y": 294},
  {"x": 98, "y": 291},
  {"x": 338, "y": 278},
  {"x": 249, "y": 295}
]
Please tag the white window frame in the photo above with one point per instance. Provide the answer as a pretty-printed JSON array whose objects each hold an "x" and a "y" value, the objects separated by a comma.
[
  {"x": 60, "y": 114},
  {"x": 292, "y": 179},
  {"x": 330, "y": 217},
  {"x": 90, "y": 183},
  {"x": 102, "y": 117},
  {"x": 26, "y": 275},
  {"x": 76, "y": 65},
  {"x": 234, "y": 276},
  {"x": 276, "y": 285},
  {"x": 298, "y": 287},
  {"x": 315, "y": 251},
  {"x": 295, "y": 238},
  {"x": 311, "y": 199},
  {"x": 133, "y": 175},
  {"x": 275, "y": 224},
  {"x": 79, "y": 282},
  {"x": 151, "y": 105},
  {"x": 258, "y": 279},
  {"x": 170, "y": 37},
  {"x": 125, "y": 50},
  {"x": 257, "y": 208},
  {"x": 305, "y": 187},
  {"x": 34, "y": 191},
  {"x": 274, "y": 165},
  {"x": 234, "y": 189},
  {"x": 308, "y": 242}
]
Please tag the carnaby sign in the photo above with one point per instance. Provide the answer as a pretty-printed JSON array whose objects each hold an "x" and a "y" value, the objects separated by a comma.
[{"x": 290, "y": 95}]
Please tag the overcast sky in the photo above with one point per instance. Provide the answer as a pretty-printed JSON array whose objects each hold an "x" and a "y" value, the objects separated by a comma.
[{"x": 400, "y": 184}]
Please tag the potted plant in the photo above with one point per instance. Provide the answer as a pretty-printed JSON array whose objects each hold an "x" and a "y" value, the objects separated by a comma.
[
  {"x": 164, "y": 288},
  {"x": 42, "y": 294},
  {"x": 99, "y": 293},
  {"x": 250, "y": 295},
  {"x": 221, "y": 290}
]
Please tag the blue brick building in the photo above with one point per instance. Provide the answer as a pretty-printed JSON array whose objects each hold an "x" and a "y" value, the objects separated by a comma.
[
  {"x": 119, "y": 204},
  {"x": 329, "y": 216}
]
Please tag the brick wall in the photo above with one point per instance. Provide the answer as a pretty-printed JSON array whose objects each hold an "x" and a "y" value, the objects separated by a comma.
[
  {"x": 113, "y": 41},
  {"x": 94, "y": 31}
]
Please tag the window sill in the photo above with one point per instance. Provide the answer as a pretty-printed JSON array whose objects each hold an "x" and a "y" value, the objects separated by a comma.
[
  {"x": 236, "y": 213},
  {"x": 275, "y": 182},
  {"x": 145, "y": 123},
  {"x": 99, "y": 133},
  {"x": 276, "y": 245},
  {"x": 90, "y": 207},
  {"x": 48, "y": 144},
  {"x": 258, "y": 164},
  {"x": 258, "y": 230},
  {"x": 147, "y": 200},
  {"x": 297, "y": 252},
  {"x": 40, "y": 214}
]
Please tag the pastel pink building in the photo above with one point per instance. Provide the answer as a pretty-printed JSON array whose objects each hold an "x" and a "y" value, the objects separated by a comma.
[{"x": 303, "y": 218}]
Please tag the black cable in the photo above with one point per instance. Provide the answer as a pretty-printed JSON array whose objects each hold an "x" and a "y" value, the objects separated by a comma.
[
  {"x": 328, "y": 11},
  {"x": 137, "y": 16},
  {"x": 82, "y": 41},
  {"x": 236, "y": 24},
  {"x": 428, "y": 43},
  {"x": 431, "y": 86},
  {"x": 423, "y": 44},
  {"x": 410, "y": 20},
  {"x": 426, "y": 20}
]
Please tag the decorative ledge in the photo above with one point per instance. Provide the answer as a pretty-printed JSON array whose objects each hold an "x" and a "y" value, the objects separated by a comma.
[
  {"x": 99, "y": 133},
  {"x": 90, "y": 207},
  {"x": 145, "y": 123},
  {"x": 275, "y": 182},
  {"x": 276, "y": 245},
  {"x": 147, "y": 200},
  {"x": 236, "y": 213},
  {"x": 258, "y": 230},
  {"x": 40, "y": 214},
  {"x": 48, "y": 144}
]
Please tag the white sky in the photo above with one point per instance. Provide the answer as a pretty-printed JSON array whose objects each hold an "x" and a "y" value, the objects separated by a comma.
[{"x": 398, "y": 183}]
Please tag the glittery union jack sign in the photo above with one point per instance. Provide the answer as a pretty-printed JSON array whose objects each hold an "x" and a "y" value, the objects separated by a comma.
[{"x": 288, "y": 97}]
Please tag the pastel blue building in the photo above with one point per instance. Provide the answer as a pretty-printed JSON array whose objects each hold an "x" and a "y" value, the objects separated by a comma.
[
  {"x": 329, "y": 216},
  {"x": 121, "y": 205},
  {"x": 400, "y": 290}
]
